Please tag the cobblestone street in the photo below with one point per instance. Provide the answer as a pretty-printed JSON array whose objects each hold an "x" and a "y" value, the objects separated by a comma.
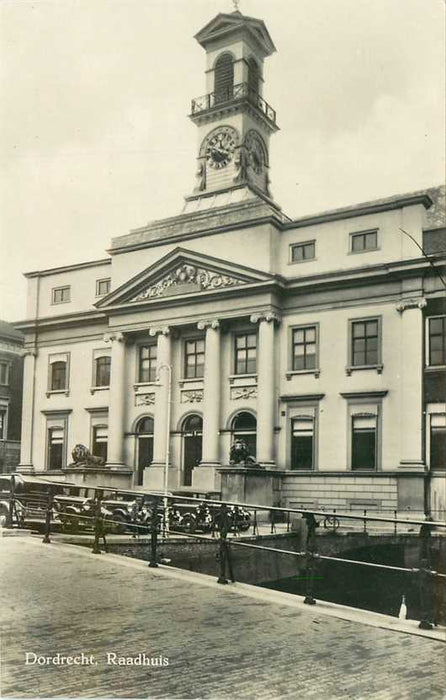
[{"x": 219, "y": 643}]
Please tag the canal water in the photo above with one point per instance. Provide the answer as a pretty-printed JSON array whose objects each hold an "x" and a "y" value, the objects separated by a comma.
[{"x": 366, "y": 587}]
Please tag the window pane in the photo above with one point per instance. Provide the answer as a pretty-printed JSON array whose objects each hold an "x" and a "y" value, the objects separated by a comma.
[
  {"x": 251, "y": 366},
  {"x": 359, "y": 359},
  {"x": 436, "y": 325},
  {"x": 58, "y": 376},
  {"x": 302, "y": 444},
  {"x": 364, "y": 442},
  {"x": 357, "y": 242},
  {"x": 309, "y": 251},
  {"x": 240, "y": 341},
  {"x": 370, "y": 241},
  {"x": 359, "y": 344},
  {"x": 358, "y": 330},
  {"x": 297, "y": 253},
  {"x": 252, "y": 340},
  {"x": 372, "y": 328},
  {"x": 310, "y": 362},
  {"x": 438, "y": 448},
  {"x": 103, "y": 371}
]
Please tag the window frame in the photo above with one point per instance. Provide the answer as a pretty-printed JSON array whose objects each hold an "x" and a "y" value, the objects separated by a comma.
[
  {"x": 365, "y": 403},
  {"x": 309, "y": 417},
  {"x": 94, "y": 428},
  {"x": 4, "y": 409},
  {"x": 56, "y": 420},
  {"x": 98, "y": 283},
  {"x": 316, "y": 370},
  {"x": 236, "y": 336},
  {"x": 193, "y": 339},
  {"x": 433, "y": 410},
  {"x": 428, "y": 341},
  {"x": 7, "y": 364},
  {"x": 302, "y": 245},
  {"x": 63, "y": 288},
  {"x": 53, "y": 358},
  {"x": 378, "y": 366},
  {"x": 363, "y": 234},
  {"x": 95, "y": 371},
  {"x": 139, "y": 349}
]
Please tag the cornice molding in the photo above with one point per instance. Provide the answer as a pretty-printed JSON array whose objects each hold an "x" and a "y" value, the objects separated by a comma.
[
  {"x": 364, "y": 394},
  {"x": 301, "y": 397}
]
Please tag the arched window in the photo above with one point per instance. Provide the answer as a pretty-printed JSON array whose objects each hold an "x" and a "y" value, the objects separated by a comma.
[
  {"x": 244, "y": 427},
  {"x": 58, "y": 376},
  {"x": 102, "y": 371},
  {"x": 224, "y": 78},
  {"x": 253, "y": 78},
  {"x": 144, "y": 445},
  {"x": 192, "y": 430}
]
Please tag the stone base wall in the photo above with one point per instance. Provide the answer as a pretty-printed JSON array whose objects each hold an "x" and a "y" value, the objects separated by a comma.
[{"x": 340, "y": 491}]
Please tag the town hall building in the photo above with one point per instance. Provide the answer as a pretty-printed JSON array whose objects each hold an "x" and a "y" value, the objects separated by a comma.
[{"x": 319, "y": 341}]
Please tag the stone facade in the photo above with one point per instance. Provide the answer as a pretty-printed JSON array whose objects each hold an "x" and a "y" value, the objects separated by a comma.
[
  {"x": 305, "y": 338},
  {"x": 11, "y": 380}
]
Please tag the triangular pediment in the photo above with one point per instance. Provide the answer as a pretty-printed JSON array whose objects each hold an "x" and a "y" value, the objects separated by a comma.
[
  {"x": 183, "y": 272},
  {"x": 224, "y": 24}
]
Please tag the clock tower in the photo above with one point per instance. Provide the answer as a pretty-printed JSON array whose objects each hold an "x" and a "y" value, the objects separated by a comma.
[{"x": 234, "y": 120}]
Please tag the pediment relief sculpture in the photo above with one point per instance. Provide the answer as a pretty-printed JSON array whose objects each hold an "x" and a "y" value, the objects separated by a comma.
[{"x": 186, "y": 279}]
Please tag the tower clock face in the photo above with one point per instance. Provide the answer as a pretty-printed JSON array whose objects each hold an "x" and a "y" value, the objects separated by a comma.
[
  {"x": 256, "y": 151},
  {"x": 220, "y": 148}
]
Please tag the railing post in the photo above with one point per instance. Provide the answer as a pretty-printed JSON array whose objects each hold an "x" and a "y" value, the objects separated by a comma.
[
  {"x": 365, "y": 521},
  {"x": 153, "y": 563},
  {"x": 255, "y": 528},
  {"x": 49, "y": 513},
  {"x": 98, "y": 522},
  {"x": 288, "y": 521},
  {"x": 224, "y": 554},
  {"x": 310, "y": 563},
  {"x": 273, "y": 524},
  {"x": 395, "y": 523},
  {"x": 425, "y": 579}
]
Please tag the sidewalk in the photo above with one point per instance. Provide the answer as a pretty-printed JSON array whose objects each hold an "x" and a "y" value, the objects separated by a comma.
[{"x": 220, "y": 641}]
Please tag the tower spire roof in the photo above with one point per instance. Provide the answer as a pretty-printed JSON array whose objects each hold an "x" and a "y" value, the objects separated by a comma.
[{"x": 225, "y": 24}]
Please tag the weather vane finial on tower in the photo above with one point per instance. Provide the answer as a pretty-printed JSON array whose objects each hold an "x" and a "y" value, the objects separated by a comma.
[{"x": 236, "y": 5}]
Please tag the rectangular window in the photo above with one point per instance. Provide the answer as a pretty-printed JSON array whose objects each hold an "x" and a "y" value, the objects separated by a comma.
[
  {"x": 4, "y": 373},
  {"x": 363, "y": 241},
  {"x": 3, "y": 423},
  {"x": 302, "y": 443},
  {"x": 438, "y": 441},
  {"x": 364, "y": 441},
  {"x": 147, "y": 363},
  {"x": 102, "y": 371},
  {"x": 304, "y": 348},
  {"x": 103, "y": 287},
  {"x": 100, "y": 441},
  {"x": 55, "y": 447},
  {"x": 365, "y": 350},
  {"x": 437, "y": 341},
  {"x": 303, "y": 251},
  {"x": 61, "y": 295},
  {"x": 58, "y": 376},
  {"x": 194, "y": 359},
  {"x": 246, "y": 353}
]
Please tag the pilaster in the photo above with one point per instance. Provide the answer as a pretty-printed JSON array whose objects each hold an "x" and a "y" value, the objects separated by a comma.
[
  {"x": 162, "y": 398},
  {"x": 265, "y": 387},
  {"x": 117, "y": 400},
  {"x": 26, "y": 445}
]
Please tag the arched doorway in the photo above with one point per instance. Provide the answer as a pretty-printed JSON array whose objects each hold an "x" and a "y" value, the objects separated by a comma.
[
  {"x": 192, "y": 446},
  {"x": 144, "y": 446},
  {"x": 244, "y": 427}
]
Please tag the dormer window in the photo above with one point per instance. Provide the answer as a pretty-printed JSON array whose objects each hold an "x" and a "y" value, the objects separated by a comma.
[{"x": 224, "y": 78}]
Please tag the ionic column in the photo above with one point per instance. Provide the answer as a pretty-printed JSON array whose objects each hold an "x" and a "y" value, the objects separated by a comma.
[
  {"x": 265, "y": 387},
  {"x": 211, "y": 399},
  {"x": 411, "y": 384},
  {"x": 26, "y": 444},
  {"x": 117, "y": 400},
  {"x": 162, "y": 394}
]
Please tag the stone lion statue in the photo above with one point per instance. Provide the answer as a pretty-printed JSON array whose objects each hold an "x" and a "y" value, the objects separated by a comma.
[
  {"x": 239, "y": 454},
  {"x": 82, "y": 456}
]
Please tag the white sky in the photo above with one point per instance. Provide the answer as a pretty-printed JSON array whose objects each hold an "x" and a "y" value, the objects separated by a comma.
[{"x": 95, "y": 96}]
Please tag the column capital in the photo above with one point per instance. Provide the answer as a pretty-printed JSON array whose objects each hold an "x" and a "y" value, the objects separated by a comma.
[
  {"x": 115, "y": 336},
  {"x": 165, "y": 330},
  {"x": 268, "y": 316},
  {"x": 413, "y": 303},
  {"x": 28, "y": 352},
  {"x": 208, "y": 323}
]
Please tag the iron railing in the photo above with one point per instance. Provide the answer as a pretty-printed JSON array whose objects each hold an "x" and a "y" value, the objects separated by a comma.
[
  {"x": 224, "y": 522},
  {"x": 242, "y": 91}
]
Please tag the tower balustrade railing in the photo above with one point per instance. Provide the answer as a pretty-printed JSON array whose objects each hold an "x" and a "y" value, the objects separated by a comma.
[{"x": 234, "y": 93}]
